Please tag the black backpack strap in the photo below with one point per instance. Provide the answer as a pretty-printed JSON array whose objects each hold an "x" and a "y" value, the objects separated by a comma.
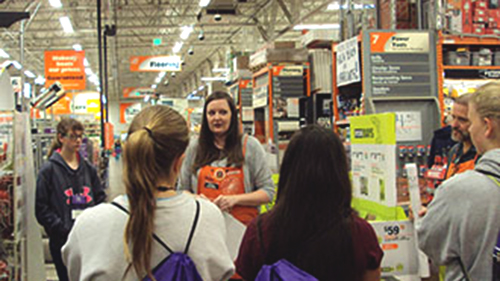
[
  {"x": 464, "y": 270},
  {"x": 195, "y": 223},
  {"x": 260, "y": 237},
  {"x": 154, "y": 235}
]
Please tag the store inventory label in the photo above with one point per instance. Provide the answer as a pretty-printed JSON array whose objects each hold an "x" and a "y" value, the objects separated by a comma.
[
  {"x": 399, "y": 42},
  {"x": 348, "y": 70},
  {"x": 260, "y": 96},
  {"x": 66, "y": 67},
  {"x": 155, "y": 63},
  {"x": 408, "y": 126}
]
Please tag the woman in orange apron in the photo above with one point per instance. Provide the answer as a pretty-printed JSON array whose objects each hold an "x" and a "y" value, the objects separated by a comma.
[{"x": 226, "y": 167}]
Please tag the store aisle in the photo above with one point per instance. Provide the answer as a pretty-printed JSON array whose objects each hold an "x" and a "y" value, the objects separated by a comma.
[{"x": 115, "y": 178}]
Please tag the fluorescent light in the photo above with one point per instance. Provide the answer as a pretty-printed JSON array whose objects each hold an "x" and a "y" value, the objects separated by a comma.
[
  {"x": 17, "y": 65},
  {"x": 208, "y": 79},
  {"x": 88, "y": 71},
  {"x": 77, "y": 47},
  {"x": 27, "y": 90},
  {"x": 158, "y": 80},
  {"x": 177, "y": 47},
  {"x": 162, "y": 74},
  {"x": 66, "y": 24},
  {"x": 221, "y": 70},
  {"x": 204, "y": 3},
  {"x": 201, "y": 88},
  {"x": 55, "y": 3},
  {"x": 147, "y": 98},
  {"x": 104, "y": 100},
  {"x": 335, "y": 6},
  {"x": 3, "y": 54},
  {"x": 85, "y": 62},
  {"x": 40, "y": 80},
  {"x": 154, "y": 86},
  {"x": 186, "y": 31},
  {"x": 29, "y": 74},
  {"x": 98, "y": 88},
  {"x": 316, "y": 26}
]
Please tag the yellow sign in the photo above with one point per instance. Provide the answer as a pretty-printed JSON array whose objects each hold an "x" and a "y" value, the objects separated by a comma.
[{"x": 373, "y": 129}]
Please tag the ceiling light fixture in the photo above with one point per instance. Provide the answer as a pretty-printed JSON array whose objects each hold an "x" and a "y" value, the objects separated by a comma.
[
  {"x": 85, "y": 62},
  {"x": 3, "y": 54},
  {"x": 77, "y": 47},
  {"x": 66, "y": 24},
  {"x": 55, "y": 3},
  {"x": 29, "y": 74},
  {"x": 40, "y": 80},
  {"x": 177, "y": 47},
  {"x": 335, "y": 6},
  {"x": 154, "y": 86},
  {"x": 88, "y": 71},
  {"x": 158, "y": 80},
  {"x": 221, "y": 70},
  {"x": 316, "y": 26},
  {"x": 209, "y": 79},
  {"x": 17, "y": 65},
  {"x": 162, "y": 74},
  {"x": 204, "y": 3},
  {"x": 186, "y": 31}
]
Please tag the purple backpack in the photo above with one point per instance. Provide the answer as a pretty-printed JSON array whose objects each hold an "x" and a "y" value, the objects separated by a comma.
[
  {"x": 281, "y": 270},
  {"x": 176, "y": 266}
]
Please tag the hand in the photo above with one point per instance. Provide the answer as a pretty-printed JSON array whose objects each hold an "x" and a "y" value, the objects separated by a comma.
[
  {"x": 421, "y": 213},
  {"x": 3, "y": 267},
  {"x": 226, "y": 202}
]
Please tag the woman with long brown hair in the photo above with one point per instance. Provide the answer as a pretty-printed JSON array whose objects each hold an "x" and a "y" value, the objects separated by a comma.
[
  {"x": 108, "y": 244},
  {"x": 227, "y": 167},
  {"x": 312, "y": 224}
]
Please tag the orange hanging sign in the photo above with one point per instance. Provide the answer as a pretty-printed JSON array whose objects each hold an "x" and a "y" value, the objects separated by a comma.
[{"x": 67, "y": 67}]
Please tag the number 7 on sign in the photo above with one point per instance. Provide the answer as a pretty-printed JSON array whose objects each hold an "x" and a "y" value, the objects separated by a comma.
[{"x": 375, "y": 38}]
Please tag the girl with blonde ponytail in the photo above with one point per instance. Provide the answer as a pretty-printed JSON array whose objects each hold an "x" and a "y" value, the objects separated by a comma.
[{"x": 108, "y": 244}]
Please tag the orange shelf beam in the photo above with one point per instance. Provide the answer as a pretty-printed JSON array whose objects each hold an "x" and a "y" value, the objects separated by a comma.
[{"x": 470, "y": 67}]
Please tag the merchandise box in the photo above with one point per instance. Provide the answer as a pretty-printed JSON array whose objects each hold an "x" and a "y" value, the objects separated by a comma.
[
  {"x": 479, "y": 19},
  {"x": 480, "y": 5},
  {"x": 480, "y": 13},
  {"x": 467, "y": 16},
  {"x": 455, "y": 22},
  {"x": 454, "y": 5},
  {"x": 478, "y": 28}
]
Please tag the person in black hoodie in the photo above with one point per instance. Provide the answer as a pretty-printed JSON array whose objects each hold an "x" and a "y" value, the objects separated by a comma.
[{"x": 66, "y": 185}]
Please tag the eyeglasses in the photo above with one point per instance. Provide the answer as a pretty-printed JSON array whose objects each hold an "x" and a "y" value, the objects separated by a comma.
[{"x": 74, "y": 137}]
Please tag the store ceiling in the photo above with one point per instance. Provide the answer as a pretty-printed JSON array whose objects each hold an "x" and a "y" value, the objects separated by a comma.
[{"x": 140, "y": 21}]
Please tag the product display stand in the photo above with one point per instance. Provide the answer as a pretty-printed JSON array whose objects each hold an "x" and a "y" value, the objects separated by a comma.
[
  {"x": 280, "y": 94},
  {"x": 241, "y": 91},
  {"x": 21, "y": 232}
]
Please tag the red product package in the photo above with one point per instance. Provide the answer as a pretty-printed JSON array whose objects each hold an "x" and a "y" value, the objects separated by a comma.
[{"x": 467, "y": 16}]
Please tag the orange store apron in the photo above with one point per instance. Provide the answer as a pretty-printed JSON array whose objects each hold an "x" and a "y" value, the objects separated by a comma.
[
  {"x": 215, "y": 181},
  {"x": 458, "y": 168}
]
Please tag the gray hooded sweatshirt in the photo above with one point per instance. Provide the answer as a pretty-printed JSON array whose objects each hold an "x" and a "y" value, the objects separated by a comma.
[{"x": 463, "y": 221}]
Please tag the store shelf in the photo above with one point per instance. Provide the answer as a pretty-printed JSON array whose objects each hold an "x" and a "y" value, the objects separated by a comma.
[
  {"x": 342, "y": 123},
  {"x": 469, "y": 67}
]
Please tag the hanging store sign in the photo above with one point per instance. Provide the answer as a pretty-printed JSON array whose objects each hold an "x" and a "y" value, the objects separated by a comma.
[
  {"x": 139, "y": 93},
  {"x": 128, "y": 111},
  {"x": 66, "y": 67},
  {"x": 399, "y": 42},
  {"x": 398, "y": 64},
  {"x": 348, "y": 70},
  {"x": 155, "y": 63},
  {"x": 288, "y": 70}
]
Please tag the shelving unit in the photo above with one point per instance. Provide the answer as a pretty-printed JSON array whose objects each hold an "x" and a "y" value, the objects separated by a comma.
[
  {"x": 280, "y": 93},
  {"x": 241, "y": 91}
]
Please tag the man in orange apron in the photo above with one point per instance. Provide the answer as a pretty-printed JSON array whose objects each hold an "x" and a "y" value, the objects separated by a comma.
[{"x": 462, "y": 156}]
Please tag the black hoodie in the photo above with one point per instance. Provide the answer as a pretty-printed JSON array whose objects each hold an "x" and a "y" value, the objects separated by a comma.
[{"x": 56, "y": 183}]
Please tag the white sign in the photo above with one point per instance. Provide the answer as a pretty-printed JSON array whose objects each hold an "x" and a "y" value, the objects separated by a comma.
[
  {"x": 157, "y": 64},
  {"x": 408, "y": 126},
  {"x": 348, "y": 70},
  {"x": 407, "y": 43},
  {"x": 397, "y": 240},
  {"x": 374, "y": 173},
  {"x": 6, "y": 92},
  {"x": 260, "y": 97}
]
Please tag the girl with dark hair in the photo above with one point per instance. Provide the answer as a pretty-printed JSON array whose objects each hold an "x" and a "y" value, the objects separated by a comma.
[
  {"x": 225, "y": 166},
  {"x": 108, "y": 244},
  {"x": 312, "y": 224},
  {"x": 66, "y": 185}
]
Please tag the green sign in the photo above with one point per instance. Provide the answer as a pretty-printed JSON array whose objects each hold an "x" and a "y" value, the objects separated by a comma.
[{"x": 157, "y": 41}]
